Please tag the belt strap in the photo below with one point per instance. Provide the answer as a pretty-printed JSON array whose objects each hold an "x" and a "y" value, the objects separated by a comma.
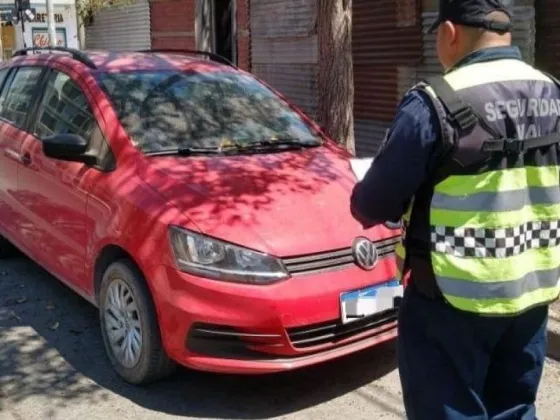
[{"x": 514, "y": 146}]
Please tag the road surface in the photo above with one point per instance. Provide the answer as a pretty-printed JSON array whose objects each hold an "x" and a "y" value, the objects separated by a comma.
[{"x": 52, "y": 366}]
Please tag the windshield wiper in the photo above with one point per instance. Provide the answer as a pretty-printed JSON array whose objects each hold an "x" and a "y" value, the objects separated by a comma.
[
  {"x": 279, "y": 142},
  {"x": 185, "y": 151},
  {"x": 235, "y": 147}
]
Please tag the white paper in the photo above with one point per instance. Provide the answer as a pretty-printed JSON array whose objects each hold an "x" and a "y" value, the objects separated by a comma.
[{"x": 360, "y": 167}]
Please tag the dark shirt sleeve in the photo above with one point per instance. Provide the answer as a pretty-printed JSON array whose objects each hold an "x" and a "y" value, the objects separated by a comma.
[{"x": 402, "y": 165}]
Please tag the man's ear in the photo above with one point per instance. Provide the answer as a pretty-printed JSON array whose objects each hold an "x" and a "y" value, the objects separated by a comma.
[{"x": 449, "y": 31}]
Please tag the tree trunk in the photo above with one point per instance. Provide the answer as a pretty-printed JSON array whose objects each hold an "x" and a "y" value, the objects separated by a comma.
[{"x": 336, "y": 73}]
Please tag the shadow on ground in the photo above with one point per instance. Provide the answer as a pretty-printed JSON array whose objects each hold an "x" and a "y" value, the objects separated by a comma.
[{"x": 50, "y": 347}]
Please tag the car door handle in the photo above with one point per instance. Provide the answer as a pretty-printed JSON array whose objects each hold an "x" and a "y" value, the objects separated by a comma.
[
  {"x": 13, "y": 155},
  {"x": 26, "y": 159}
]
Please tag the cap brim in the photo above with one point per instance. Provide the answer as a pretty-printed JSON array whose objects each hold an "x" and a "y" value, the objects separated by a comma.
[{"x": 433, "y": 26}]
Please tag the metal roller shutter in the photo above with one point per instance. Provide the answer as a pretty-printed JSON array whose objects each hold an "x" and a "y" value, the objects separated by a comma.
[
  {"x": 548, "y": 36},
  {"x": 284, "y": 48},
  {"x": 121, "y": 28},
  {"x": 386, "y": 46}
]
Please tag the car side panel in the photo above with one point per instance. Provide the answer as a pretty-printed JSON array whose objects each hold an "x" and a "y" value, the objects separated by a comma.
[
  {"x": 11, "y": 143},
  {"x": 55, "y": 205}
]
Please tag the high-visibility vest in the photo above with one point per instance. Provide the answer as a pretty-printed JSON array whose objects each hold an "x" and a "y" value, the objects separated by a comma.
[{"x": 488, "y": 220}]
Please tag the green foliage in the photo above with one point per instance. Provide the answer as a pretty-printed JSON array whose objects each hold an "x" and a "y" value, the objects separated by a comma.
[{"x": 86, "y": 9}]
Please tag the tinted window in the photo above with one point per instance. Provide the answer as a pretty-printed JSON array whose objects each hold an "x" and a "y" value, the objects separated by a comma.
[
  {"x": 64, "y": 109},
  {"x": 3, "y": 74},
  {"x": 19, "y": 96},
  {"x": 165, "y": 110},
  {"x": 3, "y": 79}
]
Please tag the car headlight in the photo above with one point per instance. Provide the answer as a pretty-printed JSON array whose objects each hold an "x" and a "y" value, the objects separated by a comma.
[{"x": 208, "y": 257}]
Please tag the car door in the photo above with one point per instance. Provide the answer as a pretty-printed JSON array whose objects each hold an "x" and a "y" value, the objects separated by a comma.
[
  {"x": 55, "y": 200},
  {"x": 17, "y": 95}
]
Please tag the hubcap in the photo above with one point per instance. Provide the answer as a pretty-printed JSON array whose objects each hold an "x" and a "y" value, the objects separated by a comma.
[{"x": 122, "y": 323}]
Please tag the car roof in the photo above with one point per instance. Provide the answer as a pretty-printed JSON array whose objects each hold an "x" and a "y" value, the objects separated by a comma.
[{"x": 103, "y": 61}]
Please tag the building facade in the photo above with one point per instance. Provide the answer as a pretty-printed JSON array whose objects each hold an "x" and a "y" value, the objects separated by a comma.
[
  {"x": 278, "y": 41},
  {"x": 35, "y": 33}
]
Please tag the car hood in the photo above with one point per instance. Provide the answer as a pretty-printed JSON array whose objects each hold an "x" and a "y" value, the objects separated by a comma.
[{"x": 289, "y": 203}]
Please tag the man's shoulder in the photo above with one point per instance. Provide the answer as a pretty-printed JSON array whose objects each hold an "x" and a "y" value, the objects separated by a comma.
[{"x": 419, "y": 99}]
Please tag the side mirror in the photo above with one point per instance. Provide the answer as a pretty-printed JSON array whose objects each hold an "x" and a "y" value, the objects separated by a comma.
[{"x": 69, "y": 147}]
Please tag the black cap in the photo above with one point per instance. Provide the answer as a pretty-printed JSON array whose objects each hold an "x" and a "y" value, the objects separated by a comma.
[{"x": 473, "y": 13}]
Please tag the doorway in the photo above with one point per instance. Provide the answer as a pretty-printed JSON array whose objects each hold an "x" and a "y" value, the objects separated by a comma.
[{"x": 224, "y": 29}]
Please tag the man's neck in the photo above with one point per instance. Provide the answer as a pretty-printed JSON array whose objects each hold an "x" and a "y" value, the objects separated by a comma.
[{"x": 478, "y": 47}]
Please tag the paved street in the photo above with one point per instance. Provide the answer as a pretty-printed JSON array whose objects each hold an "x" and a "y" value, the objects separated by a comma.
[{"x": 52, "y": 366}]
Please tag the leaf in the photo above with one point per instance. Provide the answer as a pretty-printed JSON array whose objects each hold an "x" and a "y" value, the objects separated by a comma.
[
  {"x": 54, "y": 326},
  {"x": 22, "y": 299},
  {"x": 51, "y": 306}
]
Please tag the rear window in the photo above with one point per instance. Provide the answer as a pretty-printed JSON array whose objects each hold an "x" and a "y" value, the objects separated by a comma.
[{"x": 163, "y": 110}]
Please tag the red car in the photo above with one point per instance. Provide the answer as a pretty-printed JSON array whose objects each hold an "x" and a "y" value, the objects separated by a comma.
[{"x": 206, "y": 217}]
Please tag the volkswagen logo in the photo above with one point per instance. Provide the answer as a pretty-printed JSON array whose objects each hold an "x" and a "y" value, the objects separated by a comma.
[{"x": 365, "y": 253}]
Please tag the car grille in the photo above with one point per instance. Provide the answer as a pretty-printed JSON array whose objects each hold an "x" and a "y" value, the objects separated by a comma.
[
  {"x": 334, "y": 260},
  {"x": 334, "y": 331}
]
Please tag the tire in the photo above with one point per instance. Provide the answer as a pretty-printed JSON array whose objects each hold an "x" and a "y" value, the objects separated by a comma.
[
  {"x": 150, "y": 362},
  {"x": 6, "y": 248}
]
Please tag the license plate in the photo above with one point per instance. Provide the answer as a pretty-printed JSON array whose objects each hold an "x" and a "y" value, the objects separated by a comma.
[{"x": 372, "y": 300}]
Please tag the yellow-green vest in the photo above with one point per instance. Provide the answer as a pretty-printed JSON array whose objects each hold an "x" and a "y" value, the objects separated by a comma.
[{"x": 493, "y": 238}]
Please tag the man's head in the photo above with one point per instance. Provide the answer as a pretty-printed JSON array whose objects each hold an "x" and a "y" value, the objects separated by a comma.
[{"x": 464, "y": 26}]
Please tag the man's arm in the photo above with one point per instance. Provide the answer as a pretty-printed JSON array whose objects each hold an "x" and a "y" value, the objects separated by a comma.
[{"x": 402, "y": 165}]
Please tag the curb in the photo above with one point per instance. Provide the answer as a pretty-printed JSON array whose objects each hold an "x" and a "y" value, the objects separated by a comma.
[{"x": 553, "y": 350}]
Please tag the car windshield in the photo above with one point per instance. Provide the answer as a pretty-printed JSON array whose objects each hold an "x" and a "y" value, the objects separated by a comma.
[{"x": 172, "y": 110}]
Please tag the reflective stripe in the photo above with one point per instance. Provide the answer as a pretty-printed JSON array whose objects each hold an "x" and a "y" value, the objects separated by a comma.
[
  {"x": 501, "y": 289},
  {"x": 482, "y": 219},
  {"x": 482, "y": 270},
  {"x": 501, "y": 307},
  {"x": 501, "y": 201},
  {"x": 501, "y": 180}
]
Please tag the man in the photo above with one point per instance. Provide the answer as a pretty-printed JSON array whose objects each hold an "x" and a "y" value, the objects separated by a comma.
[{"x": 471, "y": 166}]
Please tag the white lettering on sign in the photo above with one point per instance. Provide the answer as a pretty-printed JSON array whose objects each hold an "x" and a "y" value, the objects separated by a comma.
[{"x": 523, "y": 108}]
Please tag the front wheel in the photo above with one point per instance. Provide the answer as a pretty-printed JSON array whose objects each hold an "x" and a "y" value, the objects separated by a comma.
[{"x": 129, "y": 326}]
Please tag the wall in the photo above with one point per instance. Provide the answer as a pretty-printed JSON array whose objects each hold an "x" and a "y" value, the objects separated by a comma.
[
  {"x": 284, "y": 48},
  {"x": 173, "y": 26}
]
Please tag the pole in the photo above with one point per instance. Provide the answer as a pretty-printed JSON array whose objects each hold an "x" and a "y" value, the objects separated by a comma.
[
  {"x": 1, "y": 39},
  {"x": 23, "y": 30},
  {"x": 51, "y": 23}
]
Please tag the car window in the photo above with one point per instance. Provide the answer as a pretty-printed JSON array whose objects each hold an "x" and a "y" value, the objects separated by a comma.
[
  {"x": 64, "y": 109},
  {"x": 3, "y": 74},
  {"x": 169, "y": 109},
  {"x": 19, "y": 96},
  {"x": 4, "y": 84}
]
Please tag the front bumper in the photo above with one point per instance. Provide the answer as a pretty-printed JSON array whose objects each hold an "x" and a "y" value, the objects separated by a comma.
[{"x": 232, "y": 328}]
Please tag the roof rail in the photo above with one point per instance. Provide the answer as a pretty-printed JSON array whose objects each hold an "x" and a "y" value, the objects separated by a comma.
[
  {"x": 215, "y": 57},
  {"x": 76, "y": 54}
]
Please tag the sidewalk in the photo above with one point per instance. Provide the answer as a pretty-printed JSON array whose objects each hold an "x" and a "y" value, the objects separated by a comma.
[{"x": 554, "y": 331}]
